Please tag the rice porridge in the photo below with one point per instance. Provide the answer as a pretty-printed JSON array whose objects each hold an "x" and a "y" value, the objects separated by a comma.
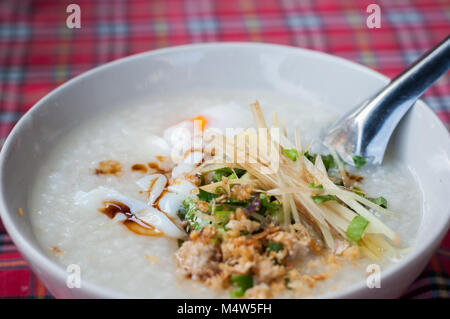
[{"x": 109, "y": 154}]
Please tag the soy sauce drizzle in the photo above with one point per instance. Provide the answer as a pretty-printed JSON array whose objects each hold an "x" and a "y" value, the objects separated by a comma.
[
  {"x": 139, "y": 168},
  {"x": 155, "y": 166},
  {"x": 136, "y": 225},
  {"x": 108, "y": 167}
]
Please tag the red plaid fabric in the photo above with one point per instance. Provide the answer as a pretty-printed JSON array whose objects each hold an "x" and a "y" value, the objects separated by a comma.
[{"x": 38, "y": 52}]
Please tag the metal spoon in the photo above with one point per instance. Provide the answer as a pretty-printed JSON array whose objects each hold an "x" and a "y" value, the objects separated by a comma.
[{"x": 366, "y": 130}]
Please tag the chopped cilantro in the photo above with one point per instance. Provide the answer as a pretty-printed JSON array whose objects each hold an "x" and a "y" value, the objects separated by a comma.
[
  {"x": 239, "y": 172},
  {"x": 328, "y": 161},
  {"x": 187, "y": 212},
  {"x": 359, "y": 161},
  {"x": 227, "y": 172},
  {"x": 222, "y": 216},
  {"x": 274, "y": 246},
  {"x": 219, "y": 173},
  {"x": 267, "y": 204},
  {"x": 311, "y": 157},
  {"x": 380, "y": 201},
  {"x": 206, "y": 196}
]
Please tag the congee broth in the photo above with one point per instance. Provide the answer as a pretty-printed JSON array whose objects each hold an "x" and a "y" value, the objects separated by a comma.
[{"x": 169, "y": 199}]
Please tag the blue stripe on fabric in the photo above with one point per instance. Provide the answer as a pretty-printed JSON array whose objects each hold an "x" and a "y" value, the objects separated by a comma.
[
  {"x": 400, "y": 17},
  {"x": 411, "y": 56},
  {"x": 202, "y": 25},
  {"x": 14, "y": 267},
  {"x": 11, "y": 74},
  {"x": 17, "y": 30},
  {"x": 6, "y": 117},
  {"x": 438, "y": 103},
  {"x": 112, "y": 29},
  {"x": 303, "y": 20}
]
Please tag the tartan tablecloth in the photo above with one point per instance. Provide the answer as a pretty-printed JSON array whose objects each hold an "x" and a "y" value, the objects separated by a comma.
[{"x": 38, "y": 52}]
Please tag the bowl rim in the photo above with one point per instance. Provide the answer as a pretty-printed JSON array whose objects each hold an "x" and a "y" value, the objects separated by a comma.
[{"x": 38, "y": 257}]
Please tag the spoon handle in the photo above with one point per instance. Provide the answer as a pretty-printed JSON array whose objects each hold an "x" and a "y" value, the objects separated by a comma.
[
  {"x": 413, "y": 82},
  {"x": 383, "y": 113}
]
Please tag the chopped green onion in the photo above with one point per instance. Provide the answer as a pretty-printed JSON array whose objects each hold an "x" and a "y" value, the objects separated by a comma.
[
  {"x": 232, "y": 176},
  {"x": 188, "y": 212},
  {"x": 215, "y": 240},
  {"x": 380, "y": 201},
  {"x": 233, "y": 201},
  {"x": 237, "y": 293},
  {"x": 356, "y": 229},
  {"x": 287, "y": 281},
  {"x": 222, "y": 216},
  {"x": 312, "y": 185},
  {"x": 359, "y": 161},
  {"x": 278, "y": 215},
  {"x": 357, "y": 190},
  {"x": 274, "y": 246},
  {"x": 180, "y": 242},
  {"x": 228, "y": 172},
  {"x": 218, "y": 174},
  {"x": 319, "y": 199},
  {"x": 291, "y": 153},
  {"x": 220, "y": 190},
  {"x": 206, "y": 196},
  {"x": 267, "y": 204},
  {"x": 243, "y": 282},
  {"x": 328, "y": 160}
]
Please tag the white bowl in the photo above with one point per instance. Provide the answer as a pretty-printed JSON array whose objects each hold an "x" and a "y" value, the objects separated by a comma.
[{"x": 421, "y": 141}]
